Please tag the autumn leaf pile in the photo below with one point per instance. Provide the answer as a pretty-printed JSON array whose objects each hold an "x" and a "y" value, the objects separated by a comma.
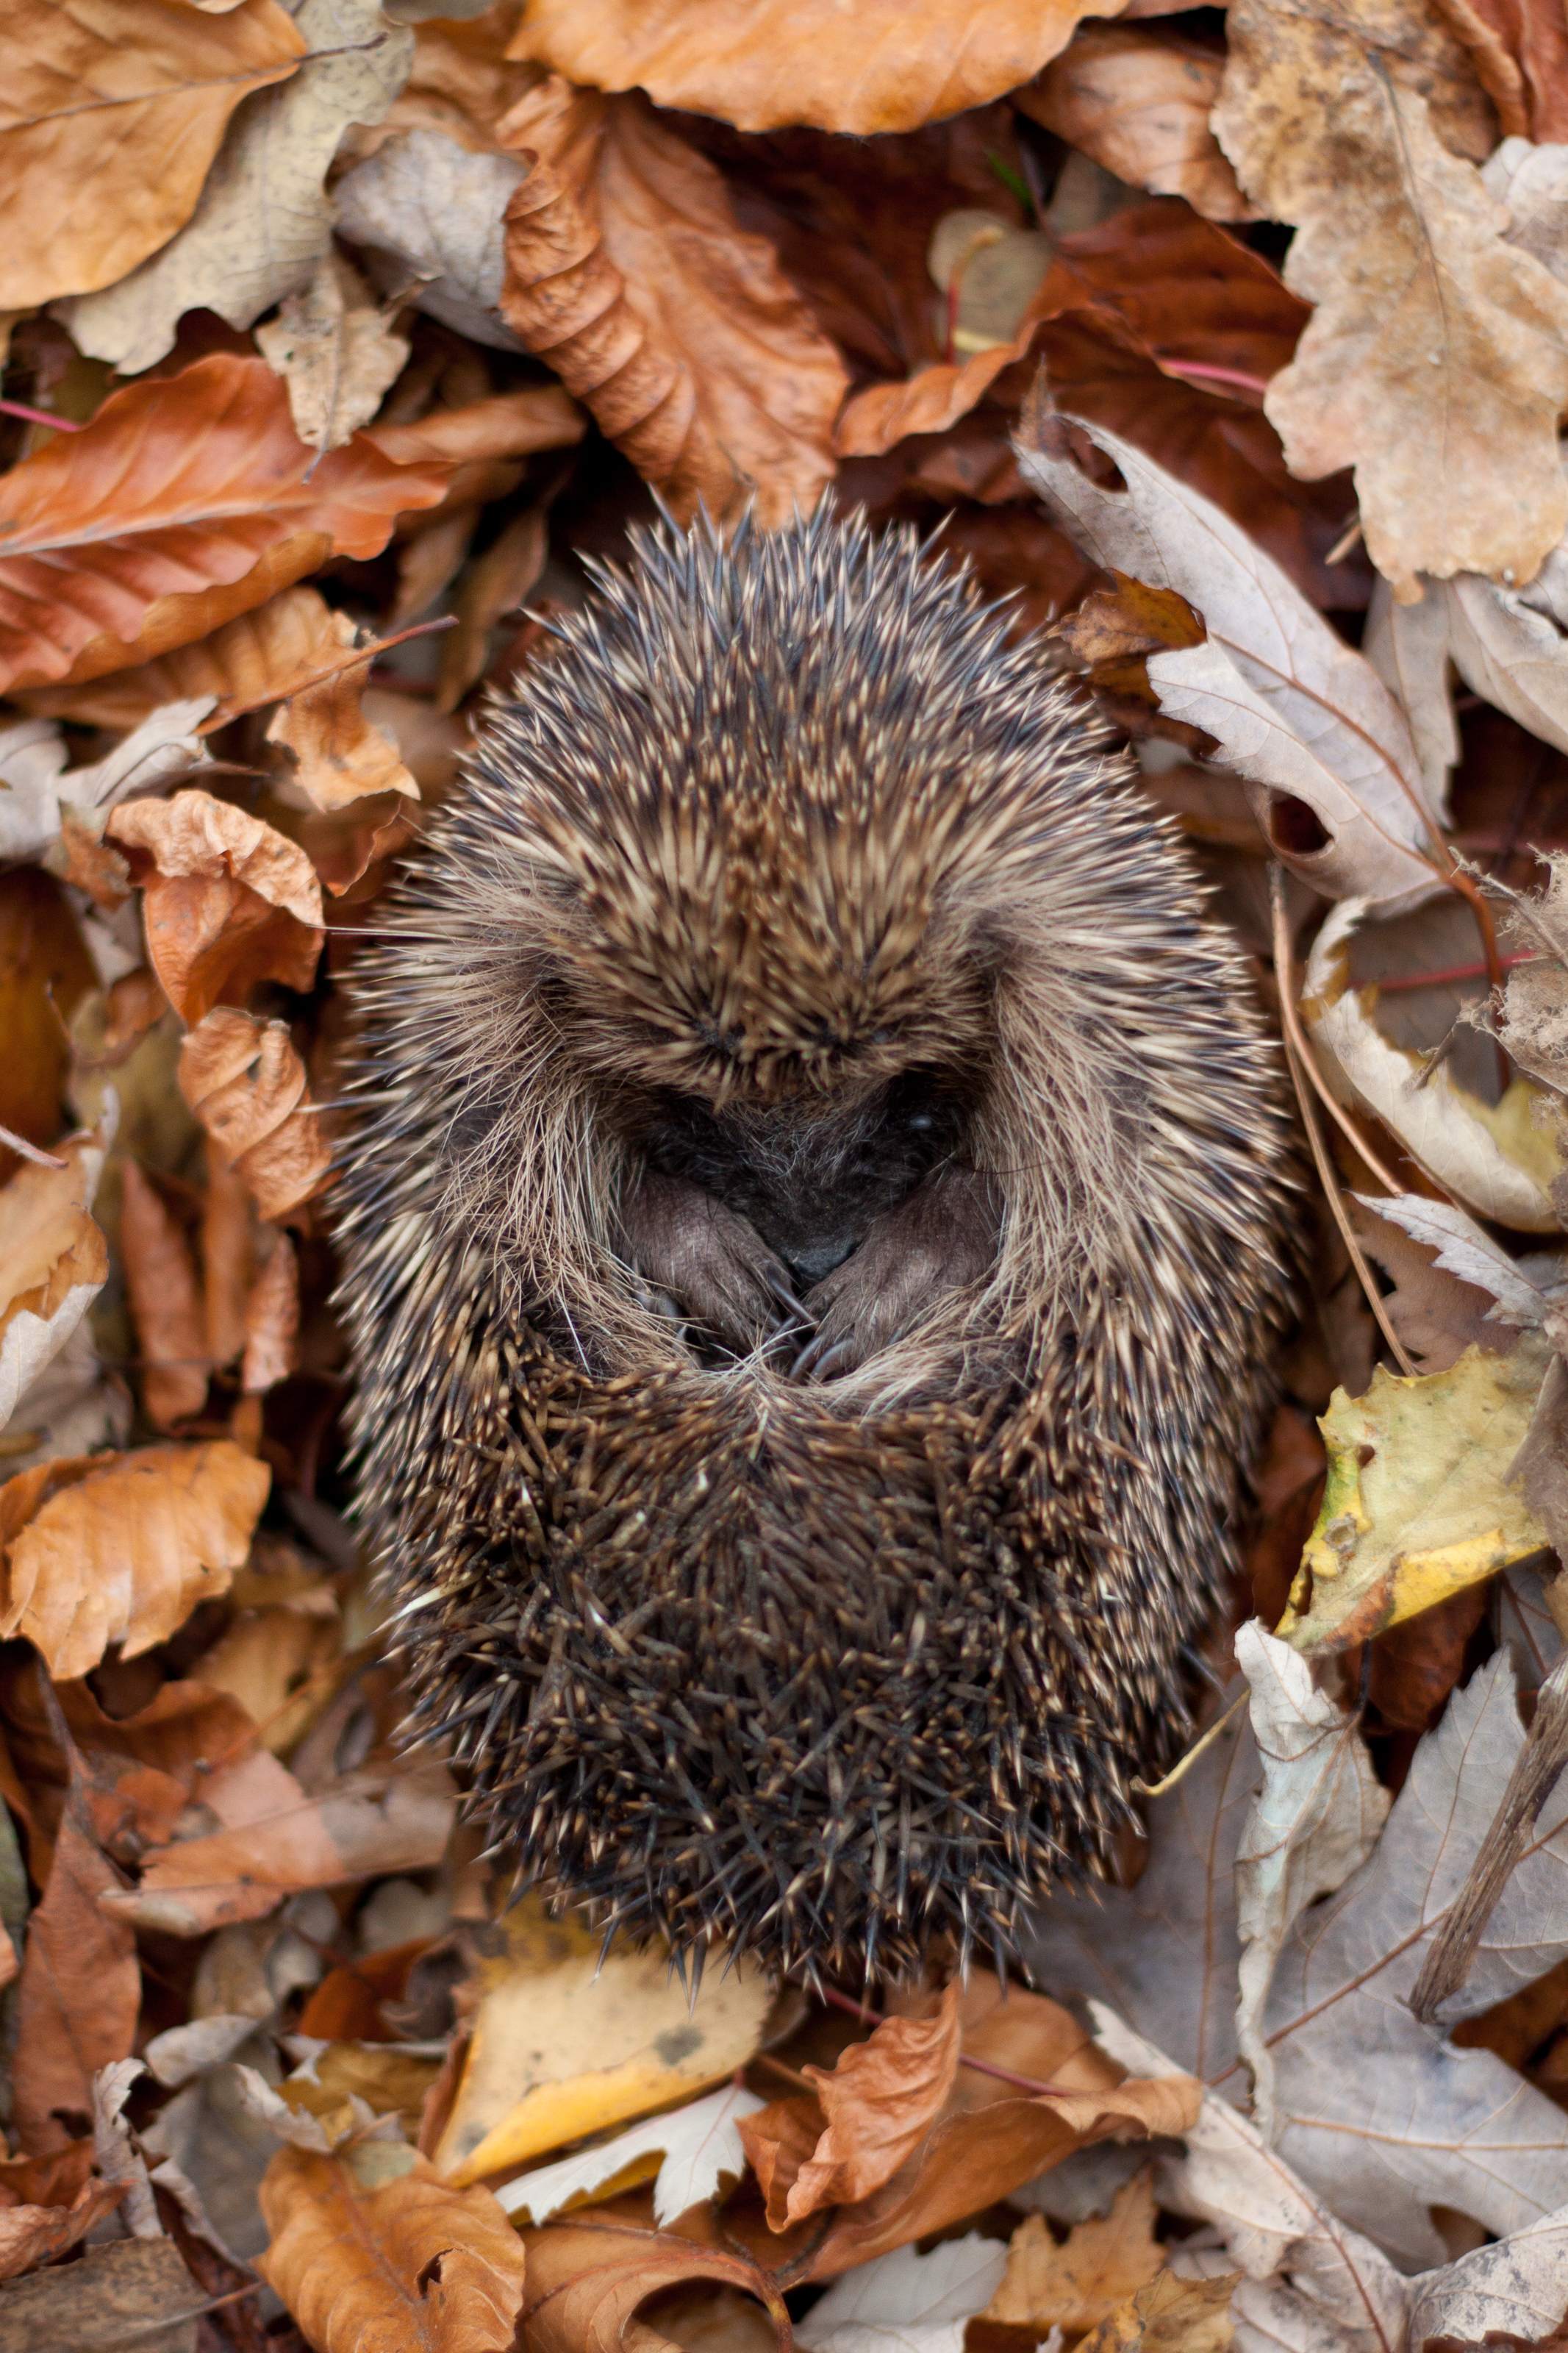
[{"x": 1232, "y": 348}]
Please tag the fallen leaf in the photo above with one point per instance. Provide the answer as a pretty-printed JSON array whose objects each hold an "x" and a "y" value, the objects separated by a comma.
[
  {"x": 188, "y": 499},
  {"x": 53, "y": 1262},
  {"x": 338, "y": 755},
  {"x": 113, "y": 114},
  {"x": 1501, "y": 1159},
  {"x": 246, "y": 1082},
  {"x": 1533, "y": 1020},
  {"x": 226, "y": 900},
  {"x": 1139, "y": 103},
  {"x": 1102, "y": 2260},
  {"x": 1499, "y": 2295},
  {"x": 272, "y": 1322},
  {"x": 166, "y": 1303},
  {"x": 1466, "y": 1249},
  {"x": 589, "y": 2278},
  {"x": 494, "y": 585},
  {"x": 45, "y": 794},
  {"x": 1170, "y": 2315},
  {"x": 436, "y": 209},
  {"x": 892, "y": 66},
  {"x": 686, "y": 2155},
  {"x": 879, "y": 2102},
  {"x": 1432, "y": 333},
  {"x": 562, "y": 2047},
  {"x": 335, "y": 352},
  {"x": 1520, "y": 49},
  {"x": 627, "y": 274},
  {"x": 1307, "y": 721},
  {"x": 906, "y": 2302},
  {"x": 79, "y": 1994},
  {"x": 124, "y": 1554},
  {"x": 269, "y": 171},
  {"x": 368, "y": 2247},
  {"x": 479, "y": 443},
  {"x": 31, "y": 2235},
  {"x": 133, "y": 2294}
]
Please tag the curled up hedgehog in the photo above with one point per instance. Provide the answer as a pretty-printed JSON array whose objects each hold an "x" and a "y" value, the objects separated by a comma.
[{"x": 815, "y": 1233}]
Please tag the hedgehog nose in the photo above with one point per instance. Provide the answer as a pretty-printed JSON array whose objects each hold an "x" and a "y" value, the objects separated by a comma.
[{"x": 809, "y": 1264}]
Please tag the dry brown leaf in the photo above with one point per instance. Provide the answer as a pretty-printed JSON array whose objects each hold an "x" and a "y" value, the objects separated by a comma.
[
  {"x": 113, "y": 112},
  {"x": 589, "y": 2278},
  {"x": 335, "y": 352},
  {"x": 1437, "y": 360},
  {"x": 246, "y": 1083},
  {"x": 1139, "y": 101},
  {"x": 124, "y": 1554},
  {"x": 879, "y": 2101},
  {"x": 1170, "y": 2315},
  {"x": 338, "y": 755},
  {"x": 131, "y": 2297},
  {"x": 53, "y": 1260},
  {"x": 494, "y": 585},
  {"x": 626, "y": 271},
  {"x": 1103, "y": 2260},
  {"x": 480, "y": 443},
  {"x": 30, "y": 2235},
  {"x": 226, "y": 900},
  {"x": 272, "y": 1320},
  {"x": 166, "y": 1305},
  {"x": 188, "y": 499},
  {"x": 79, "y": 1991},
  {"x": 884, "y": 65},
  {"x": 45, "y": 971},
  {"x": 373, "y": 2252},
  {"x": 1519, "y": 51}
]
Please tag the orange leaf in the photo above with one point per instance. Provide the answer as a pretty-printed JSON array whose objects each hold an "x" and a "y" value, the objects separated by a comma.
[
  {"x": 246, "y": 1083},
  {"x": 1104, "y": 2260},
  {"x": 125, "y": 1553},
  {"x": 113, "y": 112},
  {"x": 1138, "y": 101},
  {"x": 883, "y": 65},
  {"x": 227, "y": 900},
  {"x": 80, "y": 1989},
  {"x": 272, "y": 1320},
  {"x": 188, "y": 499},
  {"x": 373, "y": 2252},
  {"x": 337, "y": 756},
  {"x": 30, "y": 2235},
  {"x": 588, "y": 2281},
  {"x": 166, "y": 1303},
  {"x": 627, "y": 273}
]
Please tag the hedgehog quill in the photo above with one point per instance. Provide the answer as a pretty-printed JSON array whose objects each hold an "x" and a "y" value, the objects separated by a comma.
[{"x": 815, "y": 1234}]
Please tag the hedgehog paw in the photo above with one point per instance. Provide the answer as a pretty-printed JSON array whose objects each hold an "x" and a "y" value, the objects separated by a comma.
[
  {"x": 709, "y": 1262},
  {"x": 942, "y": 1237}
]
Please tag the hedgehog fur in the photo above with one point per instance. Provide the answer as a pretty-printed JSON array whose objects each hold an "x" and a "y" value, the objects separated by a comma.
[{"x": 815, "y": 1230}]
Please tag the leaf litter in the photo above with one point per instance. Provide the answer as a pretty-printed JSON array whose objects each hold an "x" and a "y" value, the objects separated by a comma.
[{"x": 337, "y": 338}]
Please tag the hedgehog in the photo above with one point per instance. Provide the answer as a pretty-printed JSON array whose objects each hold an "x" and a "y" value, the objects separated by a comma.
[{"x": 815, "y": 1217}]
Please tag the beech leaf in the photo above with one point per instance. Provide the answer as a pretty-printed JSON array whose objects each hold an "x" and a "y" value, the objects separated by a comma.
[
  {"x": 53, "y": 1262},
  {"x": 1137, "y": 100},
  {"x": 436, "y": 209},
  {"x": 246, "y": 1082}
]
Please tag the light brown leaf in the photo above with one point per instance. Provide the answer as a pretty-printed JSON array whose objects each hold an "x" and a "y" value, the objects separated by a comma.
[
  {"x": 1138, "y": 102},
  {"x": 132, "y": 2294},
  {"x": 884, "y": 65},
  {"x": 188, "y": 499},
  {"x": 337, "y": 756},
  {"x": 30, "y": 2235},
  {"x": 627, "y": 273},
  {"x": 1103, "y": 2260},
  {"x": 373, "y": 2252},
  {"x": 226, "y": 900},
  {"x": 335, "y": 352},
  {"x": 481, "y": 442},
  {"x": 589, "y": 2278},
  {"x": 494, "y": 585},
  {"x": 166, "y": 1305},
  {"x": 246, "y": 1083},
  {"x": 113, "y": 112},
  {"x": 1437, "y": 360},
  {"x": 1170, "y": 2315},
  {"x": 53, "y": 1260},
  {"x": 879, "y": 2101},
  {"x": 79, "y": 1990},
  {"x": 124, "y": 1554},
  {"x": 272, "y": 1320}
]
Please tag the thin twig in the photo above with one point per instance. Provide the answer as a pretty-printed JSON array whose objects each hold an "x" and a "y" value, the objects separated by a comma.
[
  {"x": 39, "y": 417},
  {"x": 1296, "y": 1036},
  {"x": 980, "y": 2066},
  {"x": 360, "y": 654}
]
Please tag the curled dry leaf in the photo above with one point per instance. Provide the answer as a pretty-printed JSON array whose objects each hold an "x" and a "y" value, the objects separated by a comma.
[
  {"x": 879, "y": 2102},
  {"x": 370, "y": 2248},
  {"x": 1139, "y": 101},
  {"x": 166, "y": 1305},
  {"x": 246, "y": 1082},
  {"x": 434, "y": 208},
  {"x": 269, "y": 171},
  {"x": 114, "y": 113},
  {"x": 33, "y": 2234},
  {"x": 887, "y": 65},
  {"x": 335, "y": 352},
  {"x": 589, "y": 2279},
  {"x": 124, "y": 1554},
  {"x": 1168, "y": 2314},
  {"x": 272, "y": 1320},
  {"x": 1293, "y": 709},
  {"x": 47, "y": 798},
  {"x": 627, "y": 273},
  {"x": 338, "y": 755},
  {"x": 226, "y": 900},
  {"x": 188, "y": 499},
  {"x": 1437, "y": 359},
  {"x": 79, "y": 1991},
  {"x": 1077, "y": 2285},
  {"x": 1419, "y": 1504},
  {"x": 53, "y": 1262}
]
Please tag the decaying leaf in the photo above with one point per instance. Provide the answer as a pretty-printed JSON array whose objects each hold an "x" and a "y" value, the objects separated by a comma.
[
  {"x": 1137, "y": 100},
  {"x": 79, "y": 1994},
  {"x": 1077, "y": 2285},
  {"x": 227, "y": 900},
  {"x": 627, "y": 272},
  {"x": 687, "y": 2153},
  {"x": 370, "y": 2247},
  {"x": 434, "y": 208},
  {"x": 269, "y": 171},
  {"x": 53, "y": 1262},
  {"x": 246, "y": 1085},
  {"x": 562, "y": 2047},
  {"x": 91, "y": 187},
  {"x": 166, "y": 1303},
  {"x": 335, "y": 352},
  {"x": 123, "y": 1554}
]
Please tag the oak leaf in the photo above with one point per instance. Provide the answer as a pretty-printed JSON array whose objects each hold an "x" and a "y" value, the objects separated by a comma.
[
  {"x": 226, "y": 900},
  {"x": 123, "y": 1555},
  {"x": 1138, "y": 102},
  {"x": 246, "y": 1082},
  {"x": 188, "y": 499},
  {"x": 627, "y": 273},
  {"x": 372, "y": 2251},
  {"x": 886, "y": 65},
  {"x": 112, "y": 114},
  {"x": 1437, "y": 359},
  {"x": 166, "y": 1303}
]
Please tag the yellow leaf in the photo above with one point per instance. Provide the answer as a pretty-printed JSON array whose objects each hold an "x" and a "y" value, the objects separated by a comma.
[
  {"x": 1417, "y": 1503},
  {"x": 563, "y": 2048}
]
